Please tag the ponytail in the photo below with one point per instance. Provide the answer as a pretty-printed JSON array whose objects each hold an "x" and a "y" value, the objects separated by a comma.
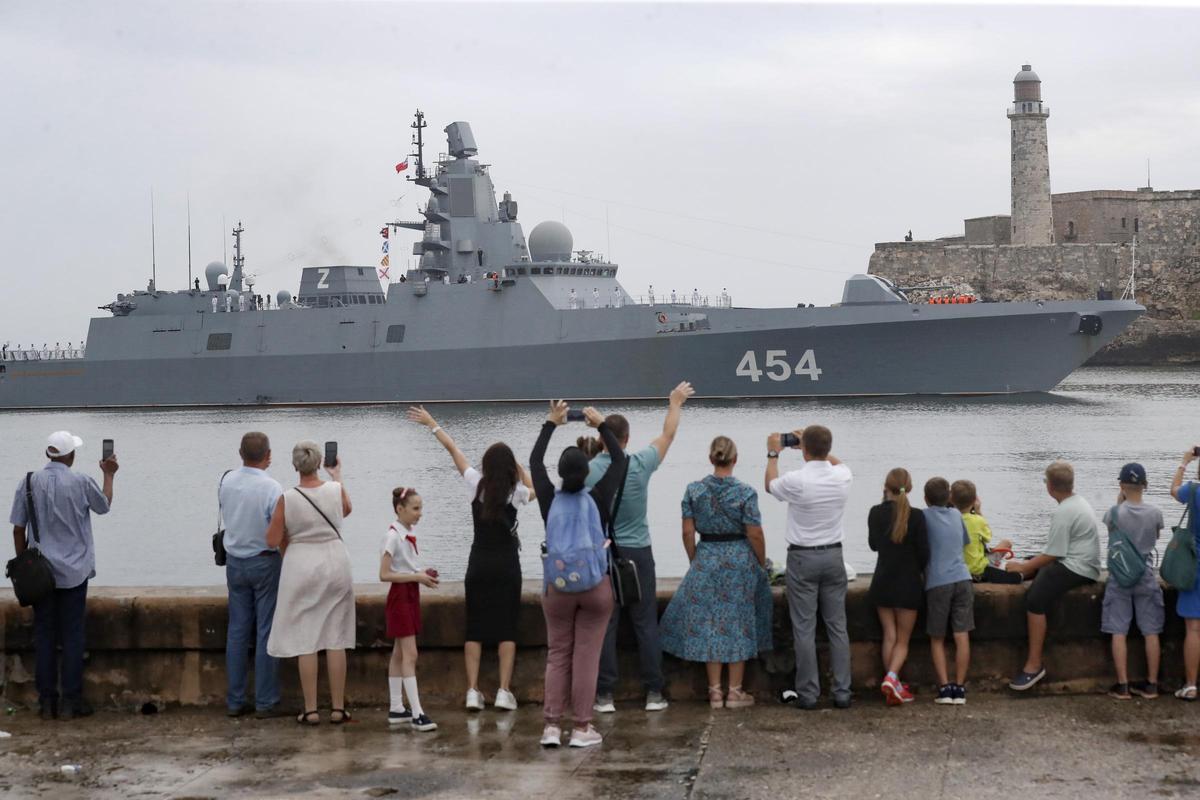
[{"x": 899, "y": 483}]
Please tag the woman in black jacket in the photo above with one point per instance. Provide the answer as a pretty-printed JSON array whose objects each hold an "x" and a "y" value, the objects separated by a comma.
[{"x": 576, "y": 616}]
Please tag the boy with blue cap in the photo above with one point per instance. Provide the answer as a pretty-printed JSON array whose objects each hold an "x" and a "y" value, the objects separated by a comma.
[{"x": 1143, "y": 601}]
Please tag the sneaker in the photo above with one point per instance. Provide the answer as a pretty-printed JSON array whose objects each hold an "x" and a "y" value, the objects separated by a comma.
[
  {"x": 960, "y": 694},
  {"x": 423, "y": 723},
  {"x": 654, "y": 702},
  {"x": 79, "y": 708},
  {"x": 841, "y": 703},
  {"x": 1186, "y": 692},
  {"x": 789, "y": 697},
  {"x": 906, "y": 695},
  {"x": 505, "y": 700},
  {"x": 399, "y": 717},
  {"x": 586, "y": 737},
  {"x": 239, "y": 711},
  {"x": 894, "y": 691},
  {"x": 1144, "y": 689},
  {"x": 1120, "y": 691},
  {"x": 1027, "y": 680},
  {"x": 604, "y": 704},
  {"x": 474, "y": 700},
  {"x": 945, "y": 695},
  {"x": 551, "y": 736}
]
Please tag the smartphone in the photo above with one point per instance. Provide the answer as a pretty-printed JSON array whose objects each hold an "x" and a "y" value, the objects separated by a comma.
[
  {"x": 1196, "y": 452},
  {"x": 106, "y": 450},
  {"x": 330, "y": 454},
  {"x": 789, "y": 440},
  {"x": 575, "y": 416}
]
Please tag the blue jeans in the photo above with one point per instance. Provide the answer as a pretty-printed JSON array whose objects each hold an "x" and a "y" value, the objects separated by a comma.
[
  {"x": 59, "y": 620},
  {"x": 253, "y": 583}
]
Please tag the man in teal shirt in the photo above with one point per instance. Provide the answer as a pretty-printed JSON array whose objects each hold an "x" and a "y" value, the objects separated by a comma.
[{"x": 631, "y": 532}]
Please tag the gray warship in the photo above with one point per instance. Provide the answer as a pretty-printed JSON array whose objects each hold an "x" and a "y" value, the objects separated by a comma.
[{"x": 485, "y": 315}]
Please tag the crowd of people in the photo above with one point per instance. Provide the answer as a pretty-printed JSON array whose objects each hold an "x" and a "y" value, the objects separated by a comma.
[{"x": 291, "y": 592}]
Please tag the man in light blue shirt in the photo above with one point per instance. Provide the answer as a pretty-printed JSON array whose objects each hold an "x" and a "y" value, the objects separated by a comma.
[
  {"x": 248, "y": 496},
  {"x": 631, "y": 532},
  {"x": 63, "y": 502}
]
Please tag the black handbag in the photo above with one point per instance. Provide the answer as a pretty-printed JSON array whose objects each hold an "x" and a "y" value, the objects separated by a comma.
[
  {"x": 627, "y": 587},
  {"x": 30, "y": 573},
  {"x": 218, "y": 539}
]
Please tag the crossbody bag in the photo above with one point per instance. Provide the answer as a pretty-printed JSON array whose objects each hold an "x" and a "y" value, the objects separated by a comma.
[
  {"x": 319, "y": 511},
  {"x": 32, "y": 578},
  {"x": 627, "y": 587},
  {"x": 218, "y": 539}
]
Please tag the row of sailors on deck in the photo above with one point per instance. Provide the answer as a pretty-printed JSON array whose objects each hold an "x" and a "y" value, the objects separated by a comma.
[{"x": 43, "y": 353}]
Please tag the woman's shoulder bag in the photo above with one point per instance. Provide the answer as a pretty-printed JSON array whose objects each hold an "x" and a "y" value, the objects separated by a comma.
[
  {"x": 627, "y": 586},
  {"x": 1179, "y": 562},
  {"x": 32, "y": 578}
]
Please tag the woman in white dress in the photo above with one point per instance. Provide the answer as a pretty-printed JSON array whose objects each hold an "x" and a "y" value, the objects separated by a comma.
[{"x": 314, "y": 608}]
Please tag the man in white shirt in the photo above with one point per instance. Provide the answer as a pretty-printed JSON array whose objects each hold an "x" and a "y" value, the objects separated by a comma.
[{"x": 816, "y": 495}]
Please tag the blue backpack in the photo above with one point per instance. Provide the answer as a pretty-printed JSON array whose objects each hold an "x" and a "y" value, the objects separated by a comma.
[
  {"x": 573, "y": 557},
  {"x": 1126, "y": 565}
]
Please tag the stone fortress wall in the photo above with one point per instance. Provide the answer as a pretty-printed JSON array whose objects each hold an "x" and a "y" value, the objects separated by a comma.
[{"x": 1098, "y": 236}]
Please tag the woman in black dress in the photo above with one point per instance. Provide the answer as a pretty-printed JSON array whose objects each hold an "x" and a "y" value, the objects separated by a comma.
[
  {"x": 493, "y": 579},
  {"x": 896, "y": 531}
]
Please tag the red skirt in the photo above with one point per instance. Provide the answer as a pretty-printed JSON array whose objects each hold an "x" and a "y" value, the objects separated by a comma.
[{"x": 403, "y": 610}]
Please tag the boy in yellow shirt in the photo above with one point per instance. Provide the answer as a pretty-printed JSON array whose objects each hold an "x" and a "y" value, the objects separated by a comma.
[{"x": 962, "y": 494}]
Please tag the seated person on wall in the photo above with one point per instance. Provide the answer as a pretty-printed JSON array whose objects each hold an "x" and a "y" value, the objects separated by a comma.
[
  {"x": 1070, "y": 558},
  {"x": 1141, "y": 524},
  {"x": 965, "y": 499}
]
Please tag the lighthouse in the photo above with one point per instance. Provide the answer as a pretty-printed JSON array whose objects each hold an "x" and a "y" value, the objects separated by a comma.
[{"x": 1032, "y": 217}]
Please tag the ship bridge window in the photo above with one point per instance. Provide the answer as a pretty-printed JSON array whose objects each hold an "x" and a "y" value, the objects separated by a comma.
[
  {"x": 362, "y": 299},
  {"x": 535, "y": 270},
  {"x": 360, "y": 269},
  {"x": 520, "y": 270},
  {"x": 219, "y": 341},
  {"x": 395, "y": 334},
  {"x": 322, "y": 302}
]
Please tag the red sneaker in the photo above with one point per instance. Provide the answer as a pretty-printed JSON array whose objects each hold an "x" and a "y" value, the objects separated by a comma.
[{"x": 893, "y": 691}]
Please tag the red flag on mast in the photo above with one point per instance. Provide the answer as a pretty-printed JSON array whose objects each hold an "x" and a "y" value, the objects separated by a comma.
[
  {"x": 384, "y": 231},
  {"x": 403, "y": 165}
]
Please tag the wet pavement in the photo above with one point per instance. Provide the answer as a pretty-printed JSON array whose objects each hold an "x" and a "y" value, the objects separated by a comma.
[{"x": 996, "y": 746}]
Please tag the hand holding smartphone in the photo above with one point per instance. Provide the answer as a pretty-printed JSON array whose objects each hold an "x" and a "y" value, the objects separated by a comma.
[
  {"x": 331, "y": 454},
  {"x": 575, "y": 416},
  {"x": 789, "y": 440},
  {"x": 106, "y": 450}
]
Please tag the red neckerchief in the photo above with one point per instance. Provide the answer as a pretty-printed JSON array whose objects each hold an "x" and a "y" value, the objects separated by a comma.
[{"x": 409, "y": 536}]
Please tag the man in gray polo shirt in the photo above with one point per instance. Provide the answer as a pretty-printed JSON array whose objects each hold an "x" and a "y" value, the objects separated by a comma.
[
  {"x": 63, "y": 502},
  {"x": 248, "y": 497}
]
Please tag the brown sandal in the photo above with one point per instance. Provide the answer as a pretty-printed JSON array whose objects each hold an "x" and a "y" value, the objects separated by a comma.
[
  {"x": 738, "y": 699},
  {"x": 715, "y": 699},
  {"x": 307, "y": 718}
]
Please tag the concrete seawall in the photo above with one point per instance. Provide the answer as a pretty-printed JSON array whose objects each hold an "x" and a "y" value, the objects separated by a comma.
[{"x": 168, "y": 644}]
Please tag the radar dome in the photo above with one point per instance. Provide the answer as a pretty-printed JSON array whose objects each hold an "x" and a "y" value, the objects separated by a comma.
[
  {"x": 550, "y": 241},
  {"x": 282, "y": 298},
  {"x": 212, "y": 274}
]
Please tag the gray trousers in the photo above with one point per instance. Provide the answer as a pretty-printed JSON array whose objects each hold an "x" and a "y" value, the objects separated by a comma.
[
  {"x": 816, "y": 579},
  {"x": 644, "y": 616}
]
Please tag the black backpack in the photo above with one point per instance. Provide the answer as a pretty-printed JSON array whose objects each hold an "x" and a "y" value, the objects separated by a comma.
[{"x": 32, "y": 578}]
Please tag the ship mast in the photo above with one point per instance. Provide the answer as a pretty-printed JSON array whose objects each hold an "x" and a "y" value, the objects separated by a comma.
[
  {"x": 420, "y": 176},
  {"x": 239, "y": 260}
]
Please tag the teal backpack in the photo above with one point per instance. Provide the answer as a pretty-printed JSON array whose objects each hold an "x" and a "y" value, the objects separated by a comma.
[{"x": 1126, "y": 565}]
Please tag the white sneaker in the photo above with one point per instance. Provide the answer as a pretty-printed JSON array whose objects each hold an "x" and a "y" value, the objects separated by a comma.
[
  {"x": 656, "y": 702},
  {"x": 505, "y": 700},
  {"x": 604, "y": 704},
  {"x": 586, "y": 737},
  {"x": 474, "y": 700},
  {"x": 552, "y": 736}
]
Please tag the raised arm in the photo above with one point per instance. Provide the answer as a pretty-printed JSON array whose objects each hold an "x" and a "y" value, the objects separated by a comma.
[
  {"x": 605, "y": 490},
  {"x": 1178, "y": 480},
  {"x": 526, "y": 481},
  {"x": 679, "y": 396},
  {"x": 537, "y": 459},
  {"x": 419, "y": 415},
  {"x": 109, "y": 467},
  {"x": 335, "y": 474}
]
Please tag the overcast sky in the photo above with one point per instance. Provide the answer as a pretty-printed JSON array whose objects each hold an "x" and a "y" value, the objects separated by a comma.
[{"x": 760, "y": 148}]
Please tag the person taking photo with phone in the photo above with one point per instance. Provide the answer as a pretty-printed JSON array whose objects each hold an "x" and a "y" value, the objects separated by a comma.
[
  {"x": 1187, "y": 604},
  {"x": 58, "y": 504}
]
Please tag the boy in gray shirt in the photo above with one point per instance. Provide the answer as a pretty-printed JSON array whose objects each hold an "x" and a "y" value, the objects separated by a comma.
[{"x": 1144, "y": 601}]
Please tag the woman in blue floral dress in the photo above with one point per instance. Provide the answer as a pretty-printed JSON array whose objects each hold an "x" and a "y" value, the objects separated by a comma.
[{"x": 721, "y": 613}]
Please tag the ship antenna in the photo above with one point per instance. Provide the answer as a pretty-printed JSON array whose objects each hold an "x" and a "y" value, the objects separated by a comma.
[
  {"x": 153, "y": 258},
  {"x": 189, "y": 212}
]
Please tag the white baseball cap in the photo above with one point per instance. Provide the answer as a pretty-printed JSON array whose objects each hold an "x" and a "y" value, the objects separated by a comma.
[{"x": 62, "y": 443}]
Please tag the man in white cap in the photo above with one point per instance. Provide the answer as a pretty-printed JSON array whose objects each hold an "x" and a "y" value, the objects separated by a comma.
[{"x": 63, "y": 502}]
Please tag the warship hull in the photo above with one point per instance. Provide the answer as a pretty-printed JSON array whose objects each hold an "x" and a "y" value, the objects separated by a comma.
[{"x": 469, "y": 343}]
